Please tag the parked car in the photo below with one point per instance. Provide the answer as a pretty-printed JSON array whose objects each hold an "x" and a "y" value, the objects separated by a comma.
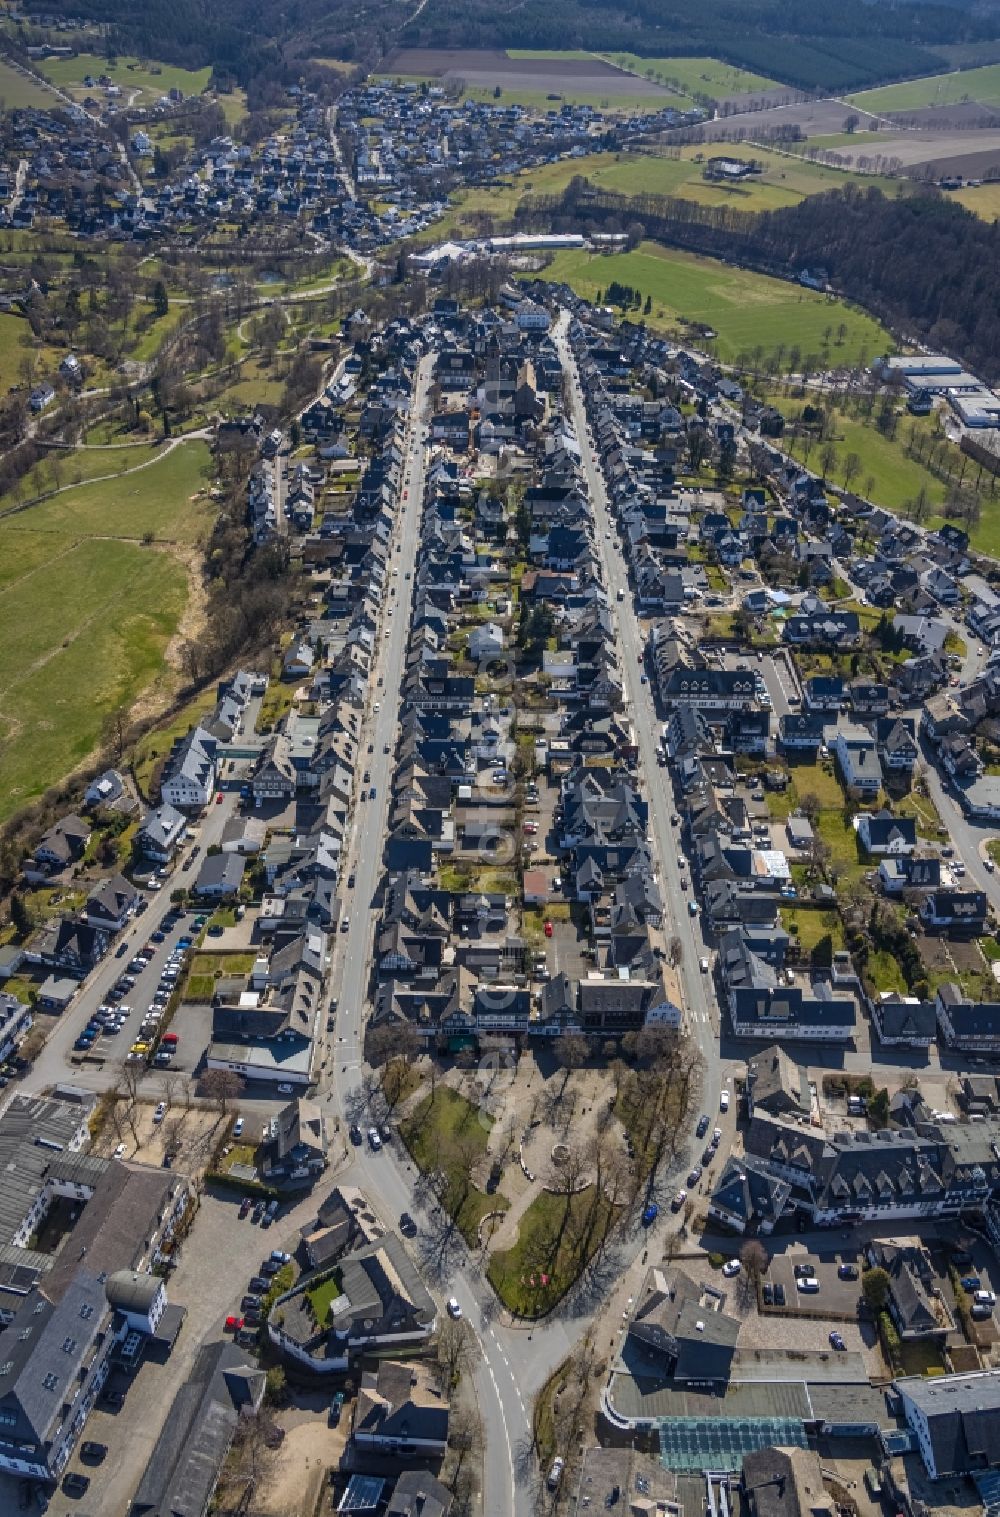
[
  {"x": 92, "y": 1451},
  {"x": 731, "y": 1268},
  {"x": 847, "y": 1271},
  {"x": 808, "y": 1285},
  {"x": 678, "y": 1200},
  {"x": 837, "y": 1342},
  {"x": 702, "y": 1127},
  {"x": 650, "y": 1214},
  {"x": 803, "y": 1271},
  {"x": 375, "y": 1142},
  {"x": 336, "y": 1407},
  {"x": 555, "y": 1473},
  {"x": 454, "y": 1310},
  {"x": 723, "y": 1100},
  {"x": 75, "y": 1484}
]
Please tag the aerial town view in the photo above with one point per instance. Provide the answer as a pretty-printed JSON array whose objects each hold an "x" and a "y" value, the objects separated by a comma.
[{"x": 499, "y": 759}]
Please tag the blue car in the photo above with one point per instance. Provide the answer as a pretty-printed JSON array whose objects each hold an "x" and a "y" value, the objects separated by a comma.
[
  {"x": 184, "y": 942},
  {"x": 971, "y": 1282},
  {"x": 650, "y": 1215}
]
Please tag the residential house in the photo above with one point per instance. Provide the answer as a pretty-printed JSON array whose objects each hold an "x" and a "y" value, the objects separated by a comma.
[{"x": 402, "y": 1409}]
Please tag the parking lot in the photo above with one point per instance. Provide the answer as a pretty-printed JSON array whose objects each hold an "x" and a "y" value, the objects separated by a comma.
[
  {"x": 836, "y": 1298},
  {"x": 215, "y": 1262}
]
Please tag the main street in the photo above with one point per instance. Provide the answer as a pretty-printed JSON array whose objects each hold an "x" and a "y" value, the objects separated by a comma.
[
  {"x": 701, "y": 1014},
  {"x": 387, "y": 1176}
]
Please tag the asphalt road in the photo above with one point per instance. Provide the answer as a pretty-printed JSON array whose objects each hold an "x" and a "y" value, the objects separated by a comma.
[{"x": 700, "y": 1009}]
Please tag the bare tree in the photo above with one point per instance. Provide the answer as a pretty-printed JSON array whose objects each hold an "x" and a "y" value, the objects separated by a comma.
[
  {"x": 754, "y": 1258},
  {"x": 457, "y": 1351},
  {"x": 222, "y": 1086},
  {"x": 571, "y": 1051}
]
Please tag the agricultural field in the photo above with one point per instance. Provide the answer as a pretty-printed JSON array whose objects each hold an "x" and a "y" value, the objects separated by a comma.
[
  {"x": 745, "y": 310},
  {"x": 148, "y": 81},
  {"x": 86, "y": 611},
  {"x": 784, "y": 181},
  {"x": 697, "y": 76},
  {"x": 18, "y": 93},
  {"x": 980, "y": 84},
  {"x": 538, "y": 81},
  {"x": 983, "y": 201}
]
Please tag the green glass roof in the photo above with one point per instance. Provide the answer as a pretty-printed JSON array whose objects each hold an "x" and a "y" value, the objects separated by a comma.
[{"x": 719, "y": 1443}]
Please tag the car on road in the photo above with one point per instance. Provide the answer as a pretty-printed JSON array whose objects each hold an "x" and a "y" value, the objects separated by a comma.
[
  {"x": 120, "y": 1151},
  {"x": 93, "y": 1452},
  {"x": 678, "y": 1200},
  {"x": 716, "y": 1137},
  {"x": 837, "y": 1342},
  {"x": 377, "y": 706},
  {"x": 694, "y": 1176},
  {"x": 218, "y": 797},
  {"x": 407, "y": 1226},
  {"x": 548, "y": 929},
  {"x": 723, "y": 1100},
  {"x": 970, "y": 1282},
  {"x": 454, "y": 1310},
  {"x": 731, "y": 1268},
  {"x": 650, "y": 1214},
  {"x": 703, "y": 966},
  {"x": 675, "y": 820},
  {"x": 984, "y": 1298},
  {"x": 286, "y": 1090},
  {"x": 374, "y": 1141},
  {"x": 356, "y": 1137},
  {"x": 702, "y": 1127}
]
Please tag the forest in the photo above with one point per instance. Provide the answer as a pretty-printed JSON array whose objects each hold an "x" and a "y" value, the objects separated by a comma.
[
  {"x": 921, "y": 263},
  {"x": 828, "y": 45}
]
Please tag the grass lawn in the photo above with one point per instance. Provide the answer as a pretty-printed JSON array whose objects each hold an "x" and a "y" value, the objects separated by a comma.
[
  {"x": 44, "y": 359},
  {"x": 982, "y": 201},
  {"x": 695, "y": 76},
  {"x": 199, "y": 987},
  {"x": 464, "y": 877},
  {"x": 980, "y": 84},
  {"x": 813, "y": 924},
  {"x": 447, "y": 1133},
  {"x": 276, "y": 704},
  {"x": 561, "y": 91},
  {"x": 68, "y": 659},
  {"x": 321, "y": 1298},
  {"x": 785, "y": 181},
  {"x": 746, "y": 310},
  {"x": 557, "y": 1236},
  {"x": 884, "y": 972},
  {"x": 20, "y": 94},
  {"x": 149, "y": 80}
]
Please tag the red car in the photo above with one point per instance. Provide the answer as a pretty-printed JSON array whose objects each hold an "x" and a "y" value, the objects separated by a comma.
[
  {"x": 245, "y": 1206},
  {"x": 218, "y": 797},
  {"x": 233, "y": 1324},
  {"x": 548, "y": 929}
]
